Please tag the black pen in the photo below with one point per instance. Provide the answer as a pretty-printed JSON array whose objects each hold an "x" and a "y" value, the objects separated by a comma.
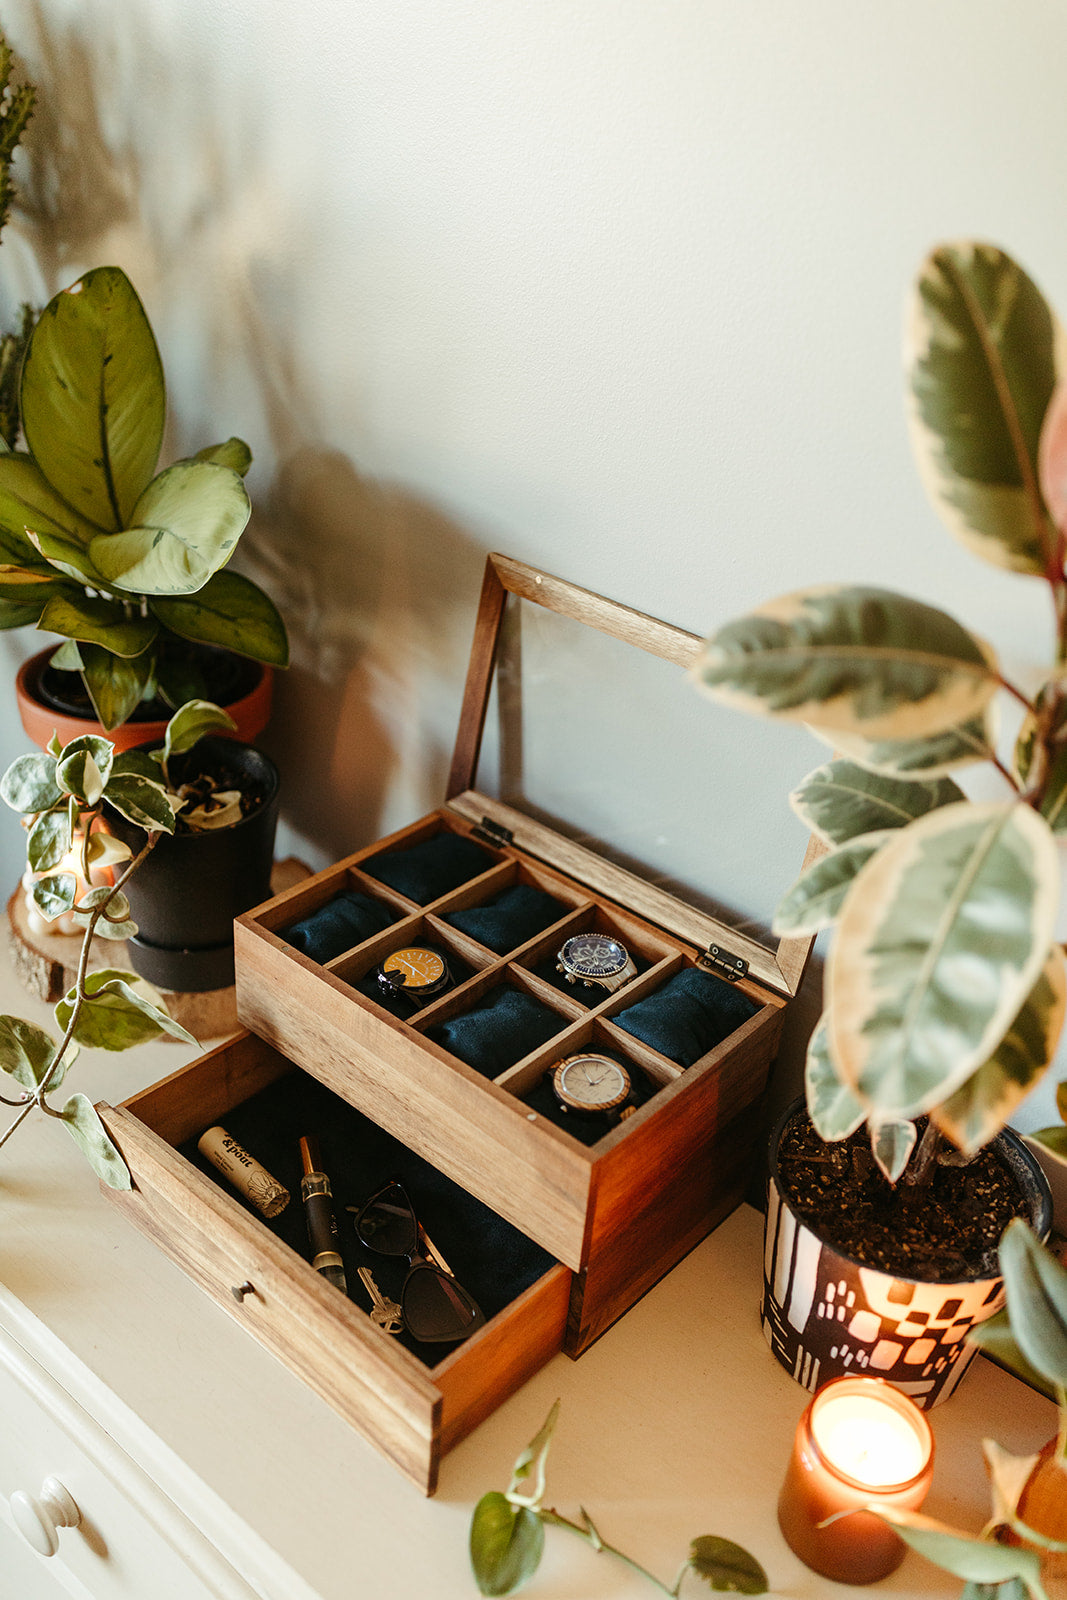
[{"x": 317, "y": 1196}]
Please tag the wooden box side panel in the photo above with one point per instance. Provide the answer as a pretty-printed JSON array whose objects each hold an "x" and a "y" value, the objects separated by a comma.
[
  {"x": 662, "y": 1190},
  {"x": 379, "y": 1390},
  {"x": 535, "y": 1177}
]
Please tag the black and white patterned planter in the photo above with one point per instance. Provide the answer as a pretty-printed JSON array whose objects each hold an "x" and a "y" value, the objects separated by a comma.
[{"x": 825, "y": 1314}]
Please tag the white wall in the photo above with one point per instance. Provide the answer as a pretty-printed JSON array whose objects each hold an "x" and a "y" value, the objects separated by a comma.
[{"x": 612, "y": 285}]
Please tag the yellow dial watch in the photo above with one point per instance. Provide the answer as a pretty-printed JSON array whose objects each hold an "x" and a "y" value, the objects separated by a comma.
[{"x": 415, "y": 973}]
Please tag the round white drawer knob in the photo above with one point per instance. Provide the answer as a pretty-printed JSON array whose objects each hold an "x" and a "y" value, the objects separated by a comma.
[{"x": 40, "y": 1520}]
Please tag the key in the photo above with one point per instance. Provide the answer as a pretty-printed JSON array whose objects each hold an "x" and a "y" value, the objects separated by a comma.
[{"x": 386, "y": 1314}]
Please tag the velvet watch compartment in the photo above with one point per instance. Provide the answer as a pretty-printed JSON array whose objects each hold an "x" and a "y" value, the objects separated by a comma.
[
  {"x": 618, "y": 1202},
  {"x": 412, "y": 1402}
]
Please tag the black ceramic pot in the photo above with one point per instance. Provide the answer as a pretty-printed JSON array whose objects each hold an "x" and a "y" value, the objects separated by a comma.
[
  {"x": 186, "y": 893},
  {"x": 825, "y": 1314}
]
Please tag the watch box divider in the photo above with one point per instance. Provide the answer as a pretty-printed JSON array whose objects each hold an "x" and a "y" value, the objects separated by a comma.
[
  {"x": 416, "y": 930},
  {"x": 587, "y": 1033}
]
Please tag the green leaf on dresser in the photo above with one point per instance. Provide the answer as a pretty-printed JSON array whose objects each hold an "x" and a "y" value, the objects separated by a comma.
[
  {"x": 840, "y": 800},
  {"x": 89, "y": 1134}
]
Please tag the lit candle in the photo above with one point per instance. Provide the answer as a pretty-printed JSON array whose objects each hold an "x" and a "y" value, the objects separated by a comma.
[{"x": 859, "y": 1443}]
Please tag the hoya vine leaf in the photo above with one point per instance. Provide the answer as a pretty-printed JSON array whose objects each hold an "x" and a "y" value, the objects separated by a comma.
[
  {"x": 978, "y": 1560},
  {"x": 506, "y": 1544},
  {"x": 834, "y": 1108},
  {"x": 842, "y": 799},
  {"x": 99, "y": 621},
  {"x": 861, "y": 661},
  {"x": 940, "y": 940},
  {"x": 84, "y": 767},
  {"x": 230, "y": 611},
  {"x": 93, "y": 398},
  {"x": 29, "y": 784},
  {"x": 191, "y": 722},
  {"x": 141, "y": 801},
  {"x": 982, "y": 1105},
  {"x": 115, "y": 923},
  {"x": 724, "y": 1565},
  {"x": 815, "y": 899},
  {"x": 54, "y": 894},
  {"x": 26, "y": 1052},
  {"x": 1036, "y": 1286},
  {"x": 184, "y": 527},
  {"x": 531, "y": 1461},
  {"x": 981, "y": 360},
  {"x": 891, "y": 1146},
  {"x": 120, "y": 1011},
  {"x": 49, "y": 840},
  {"x": 89, "y": 1134}
]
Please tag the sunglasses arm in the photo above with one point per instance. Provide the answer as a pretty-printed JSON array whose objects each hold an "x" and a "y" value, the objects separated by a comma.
[{"x": 432, "y": 1251}]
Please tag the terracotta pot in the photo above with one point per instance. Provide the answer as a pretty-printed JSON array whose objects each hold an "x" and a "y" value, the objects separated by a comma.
[
  {"x": 826, "y": 1314},
  {"x": 40, "y": 721}
]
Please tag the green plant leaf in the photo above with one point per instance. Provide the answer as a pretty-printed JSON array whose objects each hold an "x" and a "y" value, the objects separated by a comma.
[
  {"x": 994, "y": 1338},
  {"x": 49, "y": 840},
  {"x": 116, "y": 684},
  {"x": 67, "y": 557},
  {"x": 979, "y": 1560},
  {"x": 91, "y": 1137},
  {"x": 860, "y": 660},
  {"x": 121, "y": 1011},
  {"x": 55, "y": 894},
  {"x": 103, "y": 622},
  {"x": 116, "y": 924},
  {"x": 29, "y": 784},
  {"x": 724, "y": 1565},
  {"x": 1053, "y": 1139},
  {"x": 26, "y": 1052},
  {"x": 1036, "y": 1287},
  {"x": 982, "y": 368},
  {"x": 1008, "y": 1477},
  {"x": 84, "y": 767},
  {"x": 66, "y": 657},
  {"x": 30, "y": 505},
  {"x": 21, "y": 584},
  {"x": 142, "y": 801},
  {"x": 940, "y": 940},
  {"x": 841, "y": 800},
  {"x": 815, "y": 900},
  {"x": 982, "y": 1105},
  {"x": 184, "y": 527},
  {"x": 231, "y": 611},
  {"x": 93, "y": 399},
  {"x": 141, "y": 764},
  {"x": 531, "y": 1460},
  {"x": 191, "y": 722},
  {"x": 835, "y": 1110},
  {"x": 506, "y": 1543},
  {"x": 891, "y": 1146},
  {"x": 233, "y": 453},
  {"x": 18, "y": 614}
]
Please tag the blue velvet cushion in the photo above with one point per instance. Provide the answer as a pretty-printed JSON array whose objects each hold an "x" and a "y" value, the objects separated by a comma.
[
  {"x": 509, "y": 919},
  {"x": 499, "y": 1031},
  {"x": 339, "y": 925},
  {"x": 429, "y": 869},
  {"x": 687, "y": 1016}
]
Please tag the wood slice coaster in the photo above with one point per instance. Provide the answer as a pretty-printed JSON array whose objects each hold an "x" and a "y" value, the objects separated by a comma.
[{"x": 46, "y": 964}]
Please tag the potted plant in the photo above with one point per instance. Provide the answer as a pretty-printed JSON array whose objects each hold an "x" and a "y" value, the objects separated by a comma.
[
  {"x": 60, "y": 793},
  {"x": 214, "y": 864},
  {"x": 128, "y": 565},
  {"x": 16, "y": 109},
  {"x": 945, "y": 985}
]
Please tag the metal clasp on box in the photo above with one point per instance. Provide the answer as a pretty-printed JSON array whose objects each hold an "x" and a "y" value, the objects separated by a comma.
[
  {"x": 493, "y": 833},
  {"x": 723, "y": 963}
]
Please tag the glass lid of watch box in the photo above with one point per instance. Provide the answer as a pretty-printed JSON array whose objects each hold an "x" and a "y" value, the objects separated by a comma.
[{"x": 614, "y": 748}]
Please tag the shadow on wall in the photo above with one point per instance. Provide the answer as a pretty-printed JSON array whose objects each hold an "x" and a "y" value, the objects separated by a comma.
[{"x": 169, "y": 173}]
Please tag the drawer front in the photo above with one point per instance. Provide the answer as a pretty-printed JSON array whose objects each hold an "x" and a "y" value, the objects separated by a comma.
[{"x": 131, "y": 1541}]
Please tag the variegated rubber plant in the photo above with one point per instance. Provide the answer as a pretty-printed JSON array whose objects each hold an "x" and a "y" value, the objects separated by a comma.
[
  {"x": 945, "y": 987},
  {"x": 95, "y": 544},
  {"x": 60, "y": 793}
]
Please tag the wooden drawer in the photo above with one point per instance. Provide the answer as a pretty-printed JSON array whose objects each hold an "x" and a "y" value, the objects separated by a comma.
[{"x": 412, "y": 1411}]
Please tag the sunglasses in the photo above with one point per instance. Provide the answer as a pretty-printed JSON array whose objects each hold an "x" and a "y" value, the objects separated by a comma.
[{"x": 435, "y": 1308}]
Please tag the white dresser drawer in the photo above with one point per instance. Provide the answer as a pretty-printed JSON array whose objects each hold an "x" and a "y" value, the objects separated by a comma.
[{"x": 131, "y": 1542}]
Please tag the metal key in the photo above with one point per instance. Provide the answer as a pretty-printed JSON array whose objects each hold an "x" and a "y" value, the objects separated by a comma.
[{"x": 385, "y": 1313}]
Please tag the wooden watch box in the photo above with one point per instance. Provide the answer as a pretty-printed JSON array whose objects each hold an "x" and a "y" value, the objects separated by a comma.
[{"x": 618, "y": 1212}]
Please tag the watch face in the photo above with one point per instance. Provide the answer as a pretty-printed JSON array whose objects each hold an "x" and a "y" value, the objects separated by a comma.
[
  {"x": 415, "y": 967},
  {"x": 591, "y": 1082},
  {"x": 593, "y": 955}
]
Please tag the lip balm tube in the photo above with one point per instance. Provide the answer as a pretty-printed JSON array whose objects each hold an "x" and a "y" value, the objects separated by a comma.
[
  {"x": 318, "y": 1209},
  {"x": 244, "y": 1171}
]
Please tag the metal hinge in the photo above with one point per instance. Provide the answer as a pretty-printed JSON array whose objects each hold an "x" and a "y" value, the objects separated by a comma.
[
  {"x": 723, "y": 963},
  {"x": 492, "y": 832}
]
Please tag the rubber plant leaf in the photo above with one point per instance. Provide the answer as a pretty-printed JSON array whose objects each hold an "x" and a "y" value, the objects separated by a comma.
[
  {"x": 864, "y": 661},
  {"x": 49, "y": 840},
  {"x": 29, "y": 784},
  {"x": 840, "y": 800},
  {"x": 978, "y": 1560},
  {"x": 1036, "y": 1287},
  {"x": 981, "y": 363},
  {"x": 835, "y": 1110},
  {"x": 93, "y": 398},
  {"x": 982, "y": 1105},
  {"x": 940, "y": 940},
  {"x": 724, "y": 1565},
  {"x": 230, "y": 611},
  {"x": 30, "y": 506},
  {"x": 120, "y": 1011},
  {"x": 89, "y": 1134},
  {"x": 26, "y": 1052},
  {"x": 84, "y": 767},
  {"x": 814, "y": 901},
  {"x": 994, "y": 1336},
  {"x": 191, "y": 722},
  {"x": 116, "y": 684},
  {"x": 98, "y": 621},
  {"x": 1052, "y": 456},
  {"x": 942, "y": 753},
  {"x": 506, "y": 1544},
  {"x": 183, "y": 528},
  {"x": 891, "y": 1146},
  {"x": 230, "y": 453}
]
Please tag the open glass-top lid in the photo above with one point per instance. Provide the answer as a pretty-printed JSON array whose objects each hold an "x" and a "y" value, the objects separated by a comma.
[{"x": 594, "y": 734}]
